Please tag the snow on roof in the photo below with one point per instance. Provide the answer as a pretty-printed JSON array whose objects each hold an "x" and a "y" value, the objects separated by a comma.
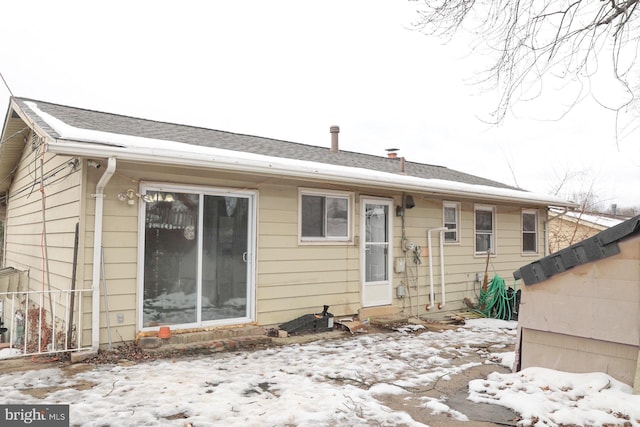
[
  {"x": 598, "y": 219},
  {"x": 76, "y": 141}
]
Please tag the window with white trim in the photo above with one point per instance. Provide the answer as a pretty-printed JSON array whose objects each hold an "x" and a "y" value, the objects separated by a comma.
[
  {"x": 485, "y": 228},
  {"x": 325, "y": 216},
  {"x": 451, "y": 220},
  {"x": 529, "y": 231}
]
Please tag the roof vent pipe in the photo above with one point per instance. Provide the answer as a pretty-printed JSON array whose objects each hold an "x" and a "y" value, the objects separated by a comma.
[
  {"x": 402, "y": 171},
  {"x": 335, "y": 130}
]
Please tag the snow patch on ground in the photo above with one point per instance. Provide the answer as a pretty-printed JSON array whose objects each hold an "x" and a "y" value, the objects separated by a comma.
[
  {"x": 548, "y": 397},
  {"x": 330, "y": 382}
]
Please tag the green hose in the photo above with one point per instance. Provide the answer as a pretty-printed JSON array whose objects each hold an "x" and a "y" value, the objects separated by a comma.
[{"x": 497, "y": 302}]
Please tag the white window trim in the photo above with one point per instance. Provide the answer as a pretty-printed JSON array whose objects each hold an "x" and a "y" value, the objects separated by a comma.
[
  {"x": 456, "y": 205},
  {"x": 537, "y": 215},
  {"x": 326, "y": 240},
  {"x": 493, "y": 210}
]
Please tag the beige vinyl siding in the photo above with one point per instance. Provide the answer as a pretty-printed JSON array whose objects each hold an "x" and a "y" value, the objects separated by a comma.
[
  {"x": 565, "y": 231},
  {"x": 24, "y": 227},
  {"x": 295, "y": 279},
  {"x": 461, "y": 263},
  {"x": 578, "y": 354},
  {"x": 120, "y": 245},
  {"x": 24, "y": 230}
]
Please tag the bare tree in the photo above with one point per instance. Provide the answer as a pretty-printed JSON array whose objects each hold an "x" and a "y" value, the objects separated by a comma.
[{"x": 536, "y": 39}]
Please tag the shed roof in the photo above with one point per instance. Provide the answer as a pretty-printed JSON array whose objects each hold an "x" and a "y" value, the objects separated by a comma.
[
  {"x": 602, "y": 245},
  {"x": 87, "y": 131}
]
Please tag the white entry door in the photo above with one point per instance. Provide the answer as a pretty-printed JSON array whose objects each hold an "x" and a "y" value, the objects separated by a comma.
[{"x": 375, "y": 251}]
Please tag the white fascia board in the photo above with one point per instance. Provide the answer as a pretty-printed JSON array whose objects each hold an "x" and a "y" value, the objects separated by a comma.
[{"x": 259, "y": 164}]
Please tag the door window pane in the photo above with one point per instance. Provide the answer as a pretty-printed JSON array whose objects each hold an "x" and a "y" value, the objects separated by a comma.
[
  {"x": 376, "y": 223},
  {"x": 377, "y": 243},
  {"x": 224, "y": 267},
  {"x": 376, "y": 263},
  {"x": 171, "y": 257}
]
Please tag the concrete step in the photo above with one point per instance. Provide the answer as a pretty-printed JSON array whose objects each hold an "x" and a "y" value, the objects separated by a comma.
[
  {"x": 380, "y": 311},
  {"x": 216, "y": 345},
  {"x": 226, "y": 337}
]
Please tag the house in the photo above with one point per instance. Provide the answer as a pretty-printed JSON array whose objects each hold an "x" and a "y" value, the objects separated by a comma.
[
  {"x": 196, "y": 228},
  {"x": 580, "y": 307},
  {"x": 569, "y": 227}
]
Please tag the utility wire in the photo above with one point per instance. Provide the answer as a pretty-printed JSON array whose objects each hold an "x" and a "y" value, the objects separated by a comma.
[{"x": 6, "y": 84}]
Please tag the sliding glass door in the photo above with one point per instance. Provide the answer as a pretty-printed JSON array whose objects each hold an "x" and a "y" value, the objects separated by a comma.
[{"x": 197, "y": 257}]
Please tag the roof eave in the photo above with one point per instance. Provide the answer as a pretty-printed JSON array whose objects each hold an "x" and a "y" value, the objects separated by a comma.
[
  {"x": 11, "y": 146},
  {"x": 274, "y": 166}
]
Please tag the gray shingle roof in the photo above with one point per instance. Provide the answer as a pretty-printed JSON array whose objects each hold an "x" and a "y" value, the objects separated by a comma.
[{"x": 119, "y": 124}]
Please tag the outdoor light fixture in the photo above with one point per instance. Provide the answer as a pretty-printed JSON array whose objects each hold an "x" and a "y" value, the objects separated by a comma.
[
  {"x": 157, "y": 196},
  {"x": 128, "y": 196}
]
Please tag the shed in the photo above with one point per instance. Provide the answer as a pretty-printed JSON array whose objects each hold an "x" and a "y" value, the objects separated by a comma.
[{"x": 580, "y": 307}]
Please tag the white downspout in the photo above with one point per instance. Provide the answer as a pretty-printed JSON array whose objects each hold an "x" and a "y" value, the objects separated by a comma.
[
  {"x": 441, "y": 305},
  {"x": 97, "y": 252},
  {"x": 432, "y": 296}
]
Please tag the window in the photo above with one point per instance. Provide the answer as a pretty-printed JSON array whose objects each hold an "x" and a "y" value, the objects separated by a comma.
[
  {"x": 485, "y": 229},
  {"x": 324, "y": 216},
  {"x": 530, "y": 231},
  {"x": 450, "y": 215}
]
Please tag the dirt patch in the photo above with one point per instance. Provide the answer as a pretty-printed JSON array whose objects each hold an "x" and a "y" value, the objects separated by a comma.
[
  {"x": 453, "y": 393},
  {"x": 43, "y": 392}
]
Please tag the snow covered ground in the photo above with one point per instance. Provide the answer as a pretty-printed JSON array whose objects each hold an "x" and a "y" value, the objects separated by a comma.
[{"x": 338, "y": 382}]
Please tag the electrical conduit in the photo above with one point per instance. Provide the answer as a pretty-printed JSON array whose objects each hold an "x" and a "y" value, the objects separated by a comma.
[
  {"x": 432, "y": 296},
  {"x": 97, "y": 252},
  {"x": 441, "y": 305}
]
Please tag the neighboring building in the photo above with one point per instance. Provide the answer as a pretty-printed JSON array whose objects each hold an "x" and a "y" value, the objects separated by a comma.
[
  {"x": 580, "y": 307},
  {"x": 199, "y": 228},
  {"x": 567, "y": 228}
]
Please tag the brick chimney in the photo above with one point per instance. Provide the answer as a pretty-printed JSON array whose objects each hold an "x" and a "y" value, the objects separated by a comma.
[
  {"x": 392, "y": 153},
  {"x": 335, "y": 130}
]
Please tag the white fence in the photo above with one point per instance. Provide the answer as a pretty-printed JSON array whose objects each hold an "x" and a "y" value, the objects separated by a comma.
[{"x": 42, "y": 322}]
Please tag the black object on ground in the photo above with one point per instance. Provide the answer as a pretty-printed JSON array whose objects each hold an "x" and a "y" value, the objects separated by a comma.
[{"x": 319, "y": 322}]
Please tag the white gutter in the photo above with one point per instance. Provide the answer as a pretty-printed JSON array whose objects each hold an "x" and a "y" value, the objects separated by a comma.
[
  {"x": 194, "y": 156},
  {"x": 97, "y": 252}
]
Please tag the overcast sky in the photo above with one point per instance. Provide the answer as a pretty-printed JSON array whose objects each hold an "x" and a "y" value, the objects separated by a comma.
[{"x": 291, "y": 69}]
